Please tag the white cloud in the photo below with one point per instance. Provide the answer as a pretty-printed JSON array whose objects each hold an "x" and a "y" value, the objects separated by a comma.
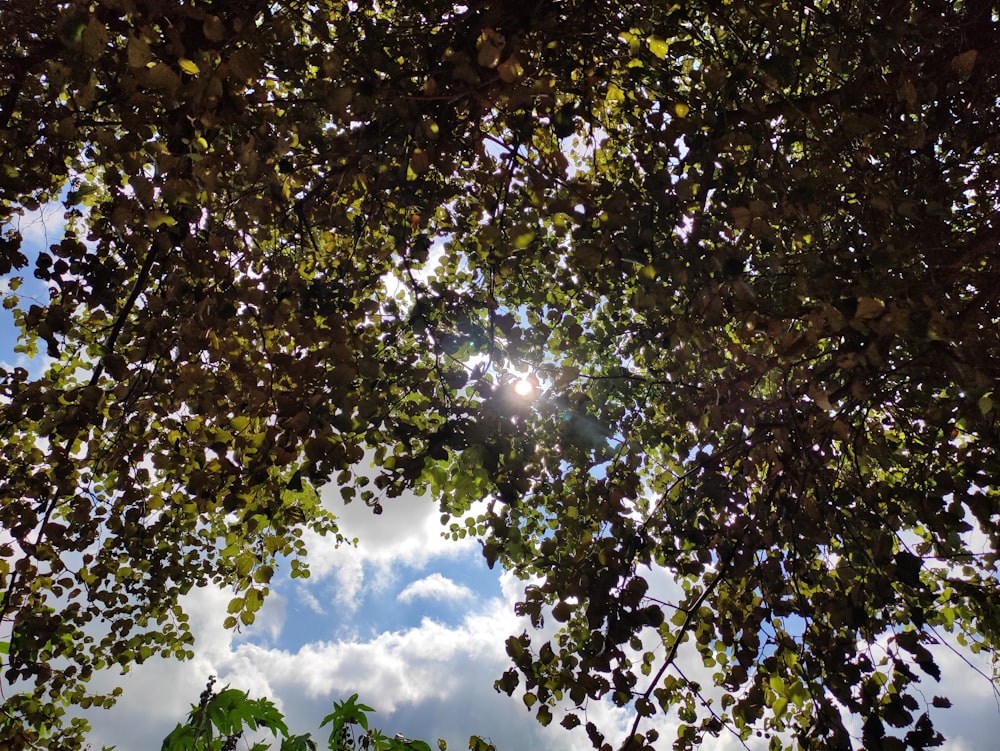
[
  {"x": 408, "y": 535},
  {"x": 434, "y": 587},
  {"x": 428, "y": 679},
  {"x": 973, "y": 720},
  {"x": 42, "y": 227},
  {"x": 310, "y": 600},
  {"x": 433, "y": 680}
]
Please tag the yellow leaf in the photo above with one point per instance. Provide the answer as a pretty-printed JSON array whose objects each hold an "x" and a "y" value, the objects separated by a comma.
[
  {"x": 658, "y": 46},
  {"x": 189, "y": 66},
  {"x": 681, "y": 109},
  {"x": 633, "y": 41},
  {"x": 158, "y": 219},
  {"x": 523, "y": 239}
]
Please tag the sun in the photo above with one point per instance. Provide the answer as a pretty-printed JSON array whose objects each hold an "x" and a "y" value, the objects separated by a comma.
[{"x": 524, "y": 388}]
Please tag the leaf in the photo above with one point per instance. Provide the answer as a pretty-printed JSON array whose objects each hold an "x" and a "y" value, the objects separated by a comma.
[
  {"x": 777, "y": 684},
  {"x": 964, "y": 63},
  {"x": 868, "y": 308},
  {"x": 544, "y": 715},
  {"x": 139, "y": 53},
  {"x": 158, "y": 219},
  {"x": 239, "y": 423},
  {"x": 985, "y": 403},
  {"x": 741, "y": 216},
  {"x": 511, "y": 70},
  {"x": 523, "y": 238},
  {"x": 420, "y": 161},
  {"x": 658, "y": 46},
  {"x": 489, "y": 48},
  {"x": 779, "y": 706},
  {"x": 745, "y": 257},
  {"x": 160, "y": 76}
]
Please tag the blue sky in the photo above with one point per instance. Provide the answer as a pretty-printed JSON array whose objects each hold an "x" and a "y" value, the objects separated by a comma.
[
  {"x": 426, "y": 662},
  {"x": 38, "y": 229},
  {"x": 413, "y": 622}
]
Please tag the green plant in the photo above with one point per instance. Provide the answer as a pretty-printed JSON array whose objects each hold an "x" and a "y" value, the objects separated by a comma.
[{"x": 222, "y": 718}]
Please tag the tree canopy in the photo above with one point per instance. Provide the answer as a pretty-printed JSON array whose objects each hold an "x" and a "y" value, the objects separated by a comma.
[{"x": 743, "y": 254}]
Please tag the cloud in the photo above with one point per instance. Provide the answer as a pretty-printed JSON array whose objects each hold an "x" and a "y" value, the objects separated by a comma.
[
  {"x": 407, "y": 536},
  {"x": 973, "y": 720},
  {"x": 433, "y": 680},
  {"x": 41, "y": 227},
  {"x": 427, "y": 679},
  {"x": 434, "y": 587},
  {"x": 310, "y": 600}
]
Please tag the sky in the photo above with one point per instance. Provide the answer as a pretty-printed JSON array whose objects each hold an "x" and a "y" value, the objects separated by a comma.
[
  {"x": 415, "y": 624},
  {"x": 38, "y": 229},
  {"x": 412, "y": 622}
]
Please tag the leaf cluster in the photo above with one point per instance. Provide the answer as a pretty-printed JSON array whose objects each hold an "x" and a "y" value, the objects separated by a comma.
[
  {"x": 745, "y": 251},
  {"x": 222, "y": 718}
]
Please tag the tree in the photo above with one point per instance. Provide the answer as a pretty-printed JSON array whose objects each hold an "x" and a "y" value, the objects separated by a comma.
[{"x": 747, "y": 252}]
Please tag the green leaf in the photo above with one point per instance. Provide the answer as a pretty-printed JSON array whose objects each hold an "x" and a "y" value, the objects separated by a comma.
[
  {"x": 743, "y": 259},
  {"x": 779, "y": 706}
]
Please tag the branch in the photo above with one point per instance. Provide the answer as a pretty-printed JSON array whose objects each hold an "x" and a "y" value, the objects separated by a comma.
[
  {"x": 706, "y": 703},
  {"x": 123, "y": 314},
  {"x": 21, "y": 66},
  {"x": 672, "y": 653}
]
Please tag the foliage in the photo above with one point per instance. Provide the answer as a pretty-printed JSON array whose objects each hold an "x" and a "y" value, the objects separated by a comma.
[
  {"x": 222, "y": 718},
  {"x": 746, "y": 250}
]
